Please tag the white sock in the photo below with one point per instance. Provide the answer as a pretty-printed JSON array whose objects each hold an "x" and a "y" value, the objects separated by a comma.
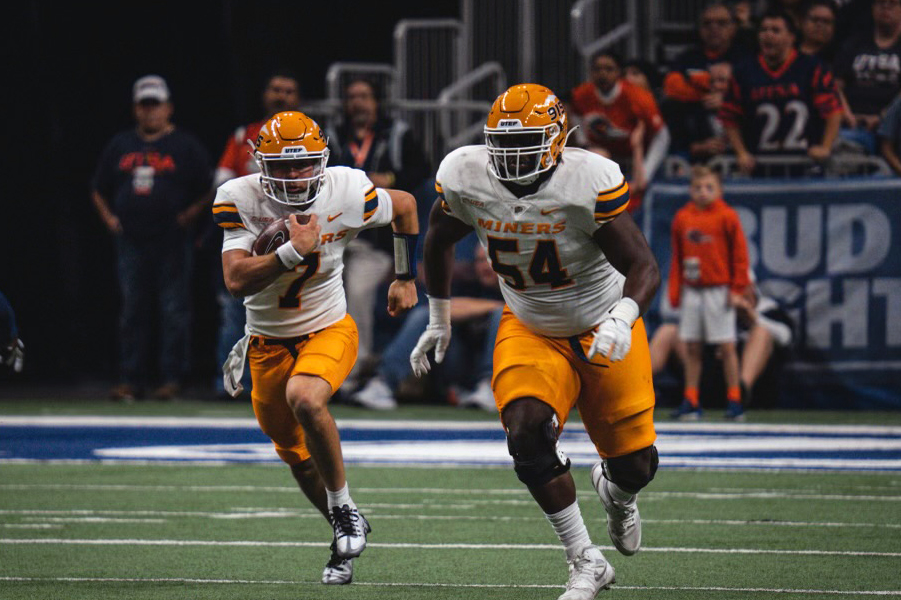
[
  {"x": 570, "y": 528},
  {"x": 340, "y": 498},
  {"x": 619, "y": 494}
]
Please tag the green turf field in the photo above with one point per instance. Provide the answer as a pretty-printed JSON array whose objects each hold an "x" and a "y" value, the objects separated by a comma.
[{"x": 88, "y": 531}]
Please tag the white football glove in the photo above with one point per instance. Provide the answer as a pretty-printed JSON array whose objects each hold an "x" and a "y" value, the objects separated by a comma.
[
  {"x": 436, "y": 335},
  {"x": 14, "y": 356},
  {"x": 613, "y": 337}
]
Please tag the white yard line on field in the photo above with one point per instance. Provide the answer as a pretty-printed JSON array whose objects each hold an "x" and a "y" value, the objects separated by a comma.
[
  {"x": 647, "y": 495},
  {"x": 650, "y": 588},
  {"x": 416, "y": 546},
  {"x": 130, "y": 516}
]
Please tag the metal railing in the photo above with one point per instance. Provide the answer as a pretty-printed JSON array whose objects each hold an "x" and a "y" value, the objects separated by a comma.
[
  {"x": 453, "y": 105},
  {"x": 787, "y": 166},
  {"x": 600, "y": 25}
]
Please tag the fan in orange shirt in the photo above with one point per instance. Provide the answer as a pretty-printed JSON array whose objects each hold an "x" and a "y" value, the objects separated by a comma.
[
  {"x": 708, "y": 274},
  {"x": 621, "y": 121}
]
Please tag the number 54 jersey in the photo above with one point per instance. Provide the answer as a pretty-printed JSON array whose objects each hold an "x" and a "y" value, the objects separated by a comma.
[
  {"x": 552, "y": 273},
  {"x": 310, "y": 297}
]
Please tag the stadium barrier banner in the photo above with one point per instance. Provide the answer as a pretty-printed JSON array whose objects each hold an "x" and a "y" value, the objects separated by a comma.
[{"x": 830, "y": 252}]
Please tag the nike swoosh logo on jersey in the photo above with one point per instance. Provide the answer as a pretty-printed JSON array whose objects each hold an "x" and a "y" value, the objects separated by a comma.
[
  {"x": 546, "y": 212},
  {"x": 333, "y": 217}
]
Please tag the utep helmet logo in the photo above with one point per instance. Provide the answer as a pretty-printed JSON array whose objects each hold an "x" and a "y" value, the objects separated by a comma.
[{"x": 525, "y": 133}]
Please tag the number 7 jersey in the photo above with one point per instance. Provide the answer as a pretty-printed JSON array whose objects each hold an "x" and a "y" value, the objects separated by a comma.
[
  {"x": 310, "y": 297},
  {"x": 553, "y": 275}
]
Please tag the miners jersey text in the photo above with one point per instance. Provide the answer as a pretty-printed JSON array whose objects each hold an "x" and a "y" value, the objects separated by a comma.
[
  {"x": 311, "y": 297},
  {"x": 552, "y": 274}
]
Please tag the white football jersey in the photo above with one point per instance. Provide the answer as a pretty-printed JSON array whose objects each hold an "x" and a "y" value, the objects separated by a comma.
[
  {"x": 552, "y": 273},
  {"x": 311, "y": 297}
]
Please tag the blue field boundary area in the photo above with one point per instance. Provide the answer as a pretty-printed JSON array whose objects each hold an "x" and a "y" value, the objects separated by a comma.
[{"x": 442, "y": 443}]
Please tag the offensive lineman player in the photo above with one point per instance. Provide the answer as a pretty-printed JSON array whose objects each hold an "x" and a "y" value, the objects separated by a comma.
[
  {"x": 302, "y": 343},
  {"x": 576, "y": 273}
]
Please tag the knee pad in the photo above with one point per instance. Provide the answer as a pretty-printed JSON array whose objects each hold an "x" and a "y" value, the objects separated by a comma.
[
  {"x": 633, "y": 471},
  {"x": 537, "y": 458}
]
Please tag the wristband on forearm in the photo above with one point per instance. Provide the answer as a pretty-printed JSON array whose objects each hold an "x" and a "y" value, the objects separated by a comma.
[
  {"x": 405, "y": 255},
  {"x": 626, "y": 310},
  {"x": 288, "y": 255},
  {"x": 439, "y": 310}
]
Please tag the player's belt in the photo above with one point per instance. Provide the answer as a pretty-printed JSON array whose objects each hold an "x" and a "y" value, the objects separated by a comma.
[{"x": 289, "y": 344}]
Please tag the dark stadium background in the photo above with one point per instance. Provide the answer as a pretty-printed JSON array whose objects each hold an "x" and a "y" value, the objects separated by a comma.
[{"x": 67, "y": 90}]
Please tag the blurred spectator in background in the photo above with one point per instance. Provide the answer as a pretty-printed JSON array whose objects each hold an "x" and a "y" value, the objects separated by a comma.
[
  {"x": 766, "y": 334},
  {"x": 476, "y": 313},
  {"x": 694, "y": 87},
  {"x": 746, "y": 28},
  {"x": 621, "y": 121},
  {"x": 697, "y": 131},
  {"x": 708, "y": 274},
  {"x": 642, "y": 73},
  {"x": 868, "y": 71},
  {"x": 818, "y": 30},
  {"x": 795, "y": 9},
  {"x": 282, "y": 92},
  {"x": 386, "y": 148},
  {"x": 12, "y": 350},
  {"x": 150, "y": 185},
  {"x": 781, "y": 101},
  {"x": 889, "y": 133}
]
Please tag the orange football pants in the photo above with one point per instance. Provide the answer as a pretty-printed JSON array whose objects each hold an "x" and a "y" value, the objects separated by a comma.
[
  {"x": 615, "y": 400},
  {"x": 329, "y": 354}
]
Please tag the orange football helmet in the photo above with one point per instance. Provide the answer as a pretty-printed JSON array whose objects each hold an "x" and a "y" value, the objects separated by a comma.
[
  {"x": 292, "y": 152},
  {"x": 525, "y": 133}
]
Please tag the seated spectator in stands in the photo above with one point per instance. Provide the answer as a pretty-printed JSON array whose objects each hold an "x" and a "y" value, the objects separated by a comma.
[
  {"x": 766, "y": 334},
  {"x": 693, "y": 88},
  {"x": 621, "y": 121},
  {"x": 386, "y": 148},
  {"x": 12, "y": 350},
  {"x": 470, "y": 352},
  {"x": 868, "y": 71},
  {"x": 781, "y": 101},
  {"x": 665, "y": 345},
  {"x": 818, "y": 30},
  {"x": 708, "y": 274},
  {"x": 889, "y": 133}
]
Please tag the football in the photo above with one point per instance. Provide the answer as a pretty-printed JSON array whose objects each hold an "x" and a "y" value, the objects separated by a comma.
[{"x": 275, "y": 234}]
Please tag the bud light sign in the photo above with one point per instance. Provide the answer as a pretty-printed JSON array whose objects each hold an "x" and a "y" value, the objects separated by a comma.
[{"x": 829, "y": 251}]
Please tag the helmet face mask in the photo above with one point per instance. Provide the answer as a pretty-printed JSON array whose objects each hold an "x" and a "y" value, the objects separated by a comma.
[
  {"x": 525, "y": 133},
  {"x": 519, "y": 155},
  {"x": 292, "y": 153},
  {"x": 293, "y": 181}
]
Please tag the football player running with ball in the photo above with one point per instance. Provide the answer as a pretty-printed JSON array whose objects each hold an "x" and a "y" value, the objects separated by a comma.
[
  {"x": 576, "y": 273},
  {"x": 300, "y": 341}
]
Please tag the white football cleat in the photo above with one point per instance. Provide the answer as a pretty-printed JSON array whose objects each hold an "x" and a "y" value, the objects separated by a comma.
[
  {"x": 589, "y": 573},
  {"x": 350, "y": 530},
  {"x": 623, "y": 520},
  {"x": 338, "y": 571},
  {"x": 375, "y": 395}
]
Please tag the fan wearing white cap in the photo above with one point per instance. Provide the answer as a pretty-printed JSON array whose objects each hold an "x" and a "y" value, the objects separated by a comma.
[{"x": 151, "y": 183}]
